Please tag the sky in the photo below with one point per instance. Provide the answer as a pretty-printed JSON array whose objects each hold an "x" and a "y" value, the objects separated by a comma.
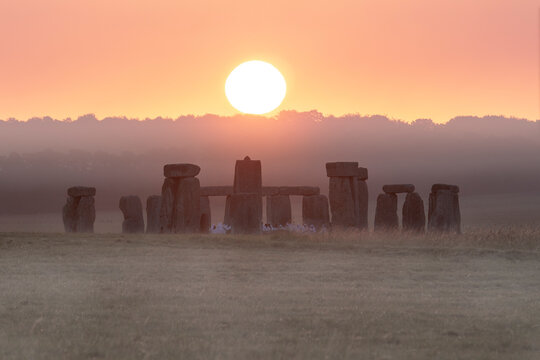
[{"x": 137, "y": 58}]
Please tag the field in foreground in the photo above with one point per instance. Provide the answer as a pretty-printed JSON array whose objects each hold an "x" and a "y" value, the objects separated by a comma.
[{"x": 331, "y": 296}]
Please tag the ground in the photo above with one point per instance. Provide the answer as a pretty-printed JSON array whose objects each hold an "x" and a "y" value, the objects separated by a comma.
[{"x": 334, "y": 296}]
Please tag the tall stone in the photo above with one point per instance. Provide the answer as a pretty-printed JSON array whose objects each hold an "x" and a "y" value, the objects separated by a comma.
[
  {"x": 444, "y": 213},
  {"x": 248, "y": 182},
  {"x": 187, "y": 210},
  {"x": 414, "y": 217},
  {"x": 227, "y": 217},
  {"x": 153, "y": 208},
  {"x": 131, "y": 207},
  {"x": 168, "y": 194},
  {"x": 244, "y": 215},
  {"x": 86, "y": 215},
  {"x": 342, "y": 202},
  {"x": 79, "y": 213},
  {"x": 363, "y": 202},
  {"x": 386, "y": 217},
  {"x": 206, "y": 215},
  {"x": 315, "y": 211},
  {"x": 278, "y": 210},
  {"x": 69, "y": 214}
]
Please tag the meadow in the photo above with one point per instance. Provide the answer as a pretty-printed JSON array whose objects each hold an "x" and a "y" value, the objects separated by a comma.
[{"x": 344, "y": 295}]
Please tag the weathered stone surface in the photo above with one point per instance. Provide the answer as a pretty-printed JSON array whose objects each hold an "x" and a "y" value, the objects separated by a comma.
[
  {"x": 244, "y": 215},
  {"x": 398, "y": 188},
  {"x": 248, "y": 177},
  {"x": 69, "y": 214},
  {"x": 437, "y": 187},
  {"x": 342, "y": 169},
  {"x": 414, "y": 216},
  {"x": 315, "y": 211},
  {"x": 299, "y": 190},
  {"x": 131, "y": 207},
  {"x": 78, "y": 191},
  {"x": 362, "y": 173},
  {"x": 386, "y": 217},
  {"x": 86, "y": 215},
  {"x": 206, "y": 215},
  {"x": 342, "y": 202},
  {"x": 270, "y": 190},
  {"x": 278, "y": 210},
  {"x": 444, "y": 213},
  {"x": 181, "y": 170},
  {"x": 153, "y": 208},
  {"x": 227, "y": 217},
  {"x": 168, "y": 193},
  {"x": 187, "y": 210},
  {"x": 363, "y": 201},
  {"x": 216, "y": 190}
]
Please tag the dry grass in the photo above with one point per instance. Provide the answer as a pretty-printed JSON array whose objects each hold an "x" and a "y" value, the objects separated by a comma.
[{"x": 336, "y": 295}]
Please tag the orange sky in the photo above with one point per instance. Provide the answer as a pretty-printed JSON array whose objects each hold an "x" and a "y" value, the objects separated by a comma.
[{"x": 140, "y": 58}]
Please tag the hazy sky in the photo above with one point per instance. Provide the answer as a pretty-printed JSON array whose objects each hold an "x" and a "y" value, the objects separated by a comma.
[{"x": 406, "y": 59}]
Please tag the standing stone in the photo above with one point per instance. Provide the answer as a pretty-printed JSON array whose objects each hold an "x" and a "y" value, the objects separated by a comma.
[
  {"x": 363, "y": 201},
  {"x": 278, "y": 210},
  {"x": 414, "y": 217},
  {"x": 168, "y": 193},
  {"x": 315, "y": 211},
  {"x": 444, "y": 213},
  {"x": 69, "y": 214},
  {"x": 79, "y": 213},
  {"x": 131, "y": 207},
  {"x": 245, "y": 217},
  {"x": 86, "y": 214},
  {"x": 386, "y": 217},
  {"x": 248, "y": 176},
  {"x": 227, "y": 217},
  {"x": 206, "y": 216},
  {"x": 187, "y": 210},
  {"x": 153, "y": 208},
  {"x": 342, "y": 203}
]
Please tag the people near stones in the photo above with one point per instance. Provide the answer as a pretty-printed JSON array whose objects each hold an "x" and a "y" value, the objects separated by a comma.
[
  {"x": 131, "y": 207},
  {"x": 79, "y": 213},
  {"x": 180, "y": 199},
  {"x": 315, "y": 211},
  {"x": 444, "y": 213},
  {"x": 153, "y": 208},
  {"x": 278, "y": 210}
]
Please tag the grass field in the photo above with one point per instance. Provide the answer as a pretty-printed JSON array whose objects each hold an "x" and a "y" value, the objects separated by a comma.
[{"x": 279, "y": 296}]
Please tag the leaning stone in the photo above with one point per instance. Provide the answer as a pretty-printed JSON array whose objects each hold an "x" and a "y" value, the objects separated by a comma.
[
  {"x": 386, "y": 217},
  {"x": 131, "y": 207},
  {"x": 437, "y": 187},
  {"x": 444, "y": 214},
  {"x": 342, "y": 169},
  {"x": 153, "y": 207},
  {"x": 362, "y": 173},
  {"x": 78, "y": 191},
  {"x": 69, "y": 214},
  {"x": 216, "y": 190},
  {"x": 244, "y": 214},
  {"x": 86, "y": 215},
  {"x": 187, "y": 207},
  {"x": 342, "y": 203},
  {"x": 315, "y": 211},
  {"x": 398, "y": 188},
  {"x": 206, "y": 215},
  {"x": 363, "y": 201},
  {"x": 414, "y": 217},
  {"x": 278, "y": 210},
  {"x": 168, "y": 191},
  {"x": 181, "y": 170},
  {"x": 299, "y": 190}
]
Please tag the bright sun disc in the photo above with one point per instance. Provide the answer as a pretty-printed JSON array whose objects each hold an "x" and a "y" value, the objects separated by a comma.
[{"x": 255, "y": 87}]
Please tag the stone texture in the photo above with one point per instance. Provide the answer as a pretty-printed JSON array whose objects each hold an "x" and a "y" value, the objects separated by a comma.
[
  {"x": 131, "y": 207},
  {"x": 299, "y": 190},
  {"x": 342, "y": 203},
  {"x": 270, "y": 190},
  {"x": 181, "y": 170},
  {"x": 248, "y": 176},
  {"x": 398, "y": 188},
  {"x": 216, "y": 190},
  {"x": 414, "y": 217},
  {"x": 386, "y": 217},
  {"x": 244, "y": 215},
  {"x": 227, "y": 217},
  {"x": 278, "y": 210},
  {"x": 437, "y": 187},
  {"x": 187, "y": 212},
  {"x": 362, "y": 173},
  {"x": 315, "y": 211},
  {"x": 69, "y": 214},
  {"x": 206, "y": 215},
  {"x": 363, "y": 202},
  {"x": 78, "y": 191},
  {"x": 168, "y": 193},
  {"x": 153, "y": 208},
  {"x": 86, "y": 215},
  {"x": 444, "y": 213},
  {"x": 347, "y": 169}
]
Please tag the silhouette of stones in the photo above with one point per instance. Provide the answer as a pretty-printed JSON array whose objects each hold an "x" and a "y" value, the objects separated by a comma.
[
  {"x": 79, "y": 213},
  {"x": 206, "y": 215},
  {"x": 180, "y": 203},
  {"x": 227, "y": 217},
  {"x": 444, "y": 213},
  {"x": 363, "y": 201},
  {"x": 216, "y": 190},
  {"x": 278, "y": 210},
  {"x": 298, "y": 190},
  {"x": 398, "y": 188},
  {"x": 244, "y": 213},
  {"x": 131, "y": 207},
  {"x": 181, "y": 170},
  {"x": 266, "y": 190},
  {"x": 386, "y": 217},
  {"x": 315, "y": 211},
  {"x": 414, "y": 217},
  {"x": 153, "y": 208},
  {"x": 362, "y": 173},
  {"x": 342, "y": 169}
]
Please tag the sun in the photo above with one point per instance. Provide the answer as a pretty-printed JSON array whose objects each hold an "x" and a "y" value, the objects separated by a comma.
[{"x": 255, "y": 87}]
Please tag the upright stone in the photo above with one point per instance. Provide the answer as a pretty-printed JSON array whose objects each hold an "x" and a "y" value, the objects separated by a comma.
[
  {"x": 86, "y": 214},
  {"x": 187, "y": 210},
  {"x": 247, "y": 181},
  {"x": 227, "y": 217},
  {"x": 206, "y": 216},
  {"x": 342, "y": 202},
  {"x": 153, "y": 208},
  {"x": 278, "y": 210},
  {"x": 444, "y": 213},
  {"x": 315, "y": 211},
  {"x": 386, "y": 217},
  {"x": 245, "y": 217},
  {"x": 414, "y": 217},
  {"x": 131, "y": 207},
  {"x": 363, "y": 202},
  {"x": 69, "y": 214},
  {"x": 79, "y": 212},
  {"x": 168, "y": 193}
]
